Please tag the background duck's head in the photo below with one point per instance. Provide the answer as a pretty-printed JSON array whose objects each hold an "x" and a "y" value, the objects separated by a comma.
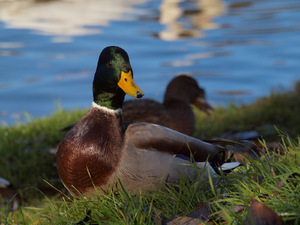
[
  {"x": 185, "y": 88},
  {"x": 114, "y": 78}
]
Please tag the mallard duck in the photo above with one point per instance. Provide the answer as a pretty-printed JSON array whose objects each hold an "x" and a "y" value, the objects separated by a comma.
[
  {"x": 100, "y": 149},
  {"x": 175, "y": 112}
]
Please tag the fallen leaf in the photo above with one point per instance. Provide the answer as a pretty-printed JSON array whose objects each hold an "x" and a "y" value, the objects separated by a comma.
[{"x": 260, "y": 214}]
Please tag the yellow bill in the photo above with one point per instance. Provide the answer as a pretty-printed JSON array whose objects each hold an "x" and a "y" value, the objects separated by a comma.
[{"x": 127, "y": 84}]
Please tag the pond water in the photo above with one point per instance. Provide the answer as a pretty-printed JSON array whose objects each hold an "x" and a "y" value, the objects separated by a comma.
[{"x": 238, "y": 50}]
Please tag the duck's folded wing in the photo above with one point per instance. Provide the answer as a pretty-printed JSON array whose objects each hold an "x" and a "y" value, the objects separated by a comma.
[{"x": 154, "y": 137}]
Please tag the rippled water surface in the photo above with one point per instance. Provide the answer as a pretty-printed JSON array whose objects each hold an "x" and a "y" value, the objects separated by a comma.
[{"x": 237, "y": 50}]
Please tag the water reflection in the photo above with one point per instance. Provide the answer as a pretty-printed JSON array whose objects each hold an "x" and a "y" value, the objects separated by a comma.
[
  {"x": 82, "y": 75},
  {"x": 6, "y": 48},
  {"x": 238, "y": 50},
  {"x": 64, "y": 18},
  {"x": 11, "y": 45},
  {"x": 32, "y": 80},
  {"x": 9, "y": 53},
  {"x": 188, "y": 18},
  {"x": 262, "y": 17}
]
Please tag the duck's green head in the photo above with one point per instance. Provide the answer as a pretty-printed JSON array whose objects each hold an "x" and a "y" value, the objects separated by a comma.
[{"x": 114, "y": 78}]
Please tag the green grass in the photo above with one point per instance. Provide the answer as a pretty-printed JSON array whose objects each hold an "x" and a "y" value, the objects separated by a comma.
[
  {"x": 26, "y": 161},
  {"x": 280, "y": 109},
  {"x": 258, "y": 179},
  {"x": 25, "y": 149}
]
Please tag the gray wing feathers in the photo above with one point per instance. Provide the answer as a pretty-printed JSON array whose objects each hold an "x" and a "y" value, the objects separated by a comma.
[{"x": 158, "y": 138}]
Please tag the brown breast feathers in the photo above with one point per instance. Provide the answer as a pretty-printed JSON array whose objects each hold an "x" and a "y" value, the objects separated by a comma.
[{"x": 90, "y": 151}]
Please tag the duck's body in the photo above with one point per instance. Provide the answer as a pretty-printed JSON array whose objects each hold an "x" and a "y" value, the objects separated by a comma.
[
  {"x": 178, "y": 116},
  {"x": 100, "y": 148},
  {"x": 140, "y": 155},
  {"x": 175, "y": 112}
]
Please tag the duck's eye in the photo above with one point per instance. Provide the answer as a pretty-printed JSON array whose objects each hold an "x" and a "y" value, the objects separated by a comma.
[{"x": 109, "y": 64}]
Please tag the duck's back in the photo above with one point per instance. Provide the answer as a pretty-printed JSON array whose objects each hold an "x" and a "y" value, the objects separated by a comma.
[{"x": 176, "y": 115}]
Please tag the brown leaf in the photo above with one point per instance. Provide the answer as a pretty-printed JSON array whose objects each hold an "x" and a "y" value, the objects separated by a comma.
[{"x": 260, "y": 214}]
